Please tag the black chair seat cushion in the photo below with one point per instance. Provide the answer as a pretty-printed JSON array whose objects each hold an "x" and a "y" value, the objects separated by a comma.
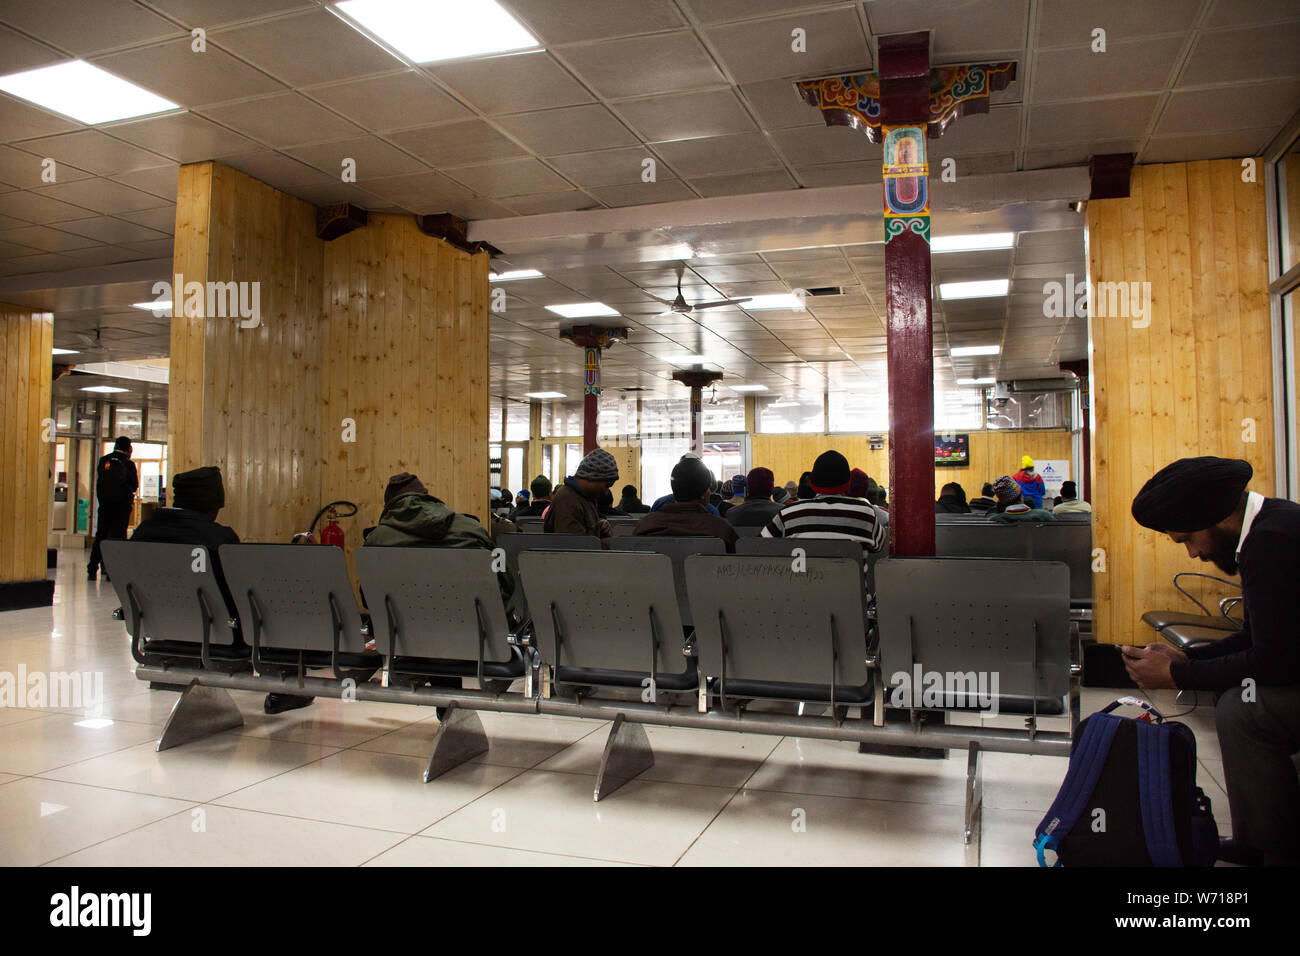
[
  {"x": 601, "y": 677},
  {"x": 816, "y": 693},
  {"x": 1163, "y": 619},
  {"x": 1184, "y": 636},
  {"x": 188, "y": 650},
  {"x": 432, "y": 667}
]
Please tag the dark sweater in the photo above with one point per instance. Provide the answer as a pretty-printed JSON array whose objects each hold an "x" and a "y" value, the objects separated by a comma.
[
  {"x": 1267, "y": 648},
  {"x": 753, "y": 512},
  {"x": 687, "y": 518},
  {"x": 183, "y": 526}
]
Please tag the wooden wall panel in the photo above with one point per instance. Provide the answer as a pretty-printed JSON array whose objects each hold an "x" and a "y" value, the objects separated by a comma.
[
  {"x": 26, "y": 338},
  {"x": 992, "y": 454},
  {"x": 1192, "y": 381},
  {"x": 405, "y": 347},
  {"x": 247, "y": 399}
]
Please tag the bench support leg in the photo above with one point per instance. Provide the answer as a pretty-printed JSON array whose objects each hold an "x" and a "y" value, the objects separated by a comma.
[
  {"x": 200, "y": 712},
  {"x": 974, "y": 804},
  {"x": 460, "y": 738},
  {"x": 627, "y": 753}
]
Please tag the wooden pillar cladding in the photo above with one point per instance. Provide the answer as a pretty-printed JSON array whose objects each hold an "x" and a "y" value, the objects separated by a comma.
[
  {"x": 1196, "y": 381},
  {"x": 25, "y": 370},
  {"x": 405, "y": 356},
  {"x": 247, "y": 399}
]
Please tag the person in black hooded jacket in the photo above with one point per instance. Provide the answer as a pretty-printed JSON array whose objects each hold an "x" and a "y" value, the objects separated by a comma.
[{"x": 952, "y": 500}]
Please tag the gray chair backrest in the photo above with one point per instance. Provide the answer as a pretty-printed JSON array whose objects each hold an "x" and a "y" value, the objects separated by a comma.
[
  {"x": 513, "y": 544},
  {"x": 159, "y": 581},
  {"x": 1067, "y": 541},
  {"x": 677, "y": 548},
  {"x": 748, "y": 530},
  {"x": 779, "y": 622},
  {"x": 611, "y": 608},
  {"x": 292, "y": 585},
  {"x": 623, "y": 527},
  {"x": 982, "y": 615},
  {"x": 812, "y": 547},
  {"x": 436, "y": 598},
  {"x": 530, "y": 525}
]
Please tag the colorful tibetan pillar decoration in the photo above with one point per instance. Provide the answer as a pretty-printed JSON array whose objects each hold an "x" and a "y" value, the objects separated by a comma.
[
  {"x": 900, "y": 106},
  {"x": 592, "y": 339}
]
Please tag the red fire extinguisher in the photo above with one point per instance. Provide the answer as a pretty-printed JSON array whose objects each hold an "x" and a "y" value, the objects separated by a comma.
[{"x": 331, "y": 533}]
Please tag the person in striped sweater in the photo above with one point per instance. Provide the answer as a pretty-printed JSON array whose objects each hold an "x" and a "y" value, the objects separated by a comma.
[{"x": 831, "y": 513}]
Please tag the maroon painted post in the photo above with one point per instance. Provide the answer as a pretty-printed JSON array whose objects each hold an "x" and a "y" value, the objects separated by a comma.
[
  {"x": 593, "y": 340},
  {"x": 697, "y": 379},
  {"x": 899, "y": 107}
]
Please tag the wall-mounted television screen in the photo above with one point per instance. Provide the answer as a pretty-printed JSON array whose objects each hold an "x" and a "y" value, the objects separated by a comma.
[{"x": 951, "y": 450}]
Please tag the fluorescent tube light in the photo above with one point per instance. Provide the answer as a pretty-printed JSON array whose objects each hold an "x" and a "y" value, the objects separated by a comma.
[
  {"x": 513, "y": 275},
  {"x": 104, "y": 388},
  {"x": 84, "y": 92},
  {"x": 983, "y": 289},
  {"x": 427, "y": 31},
  {"x": 158, "y": 307},
  {"x": 975, "y": 350},
  {"x": 544, "y": 395},
  {"x": 977, "y": 381},
  {"x": 975, "y": 242},
  {"x": 581, "y": 310},
  {"x": 748, "y": 388},
  {"x": 64, "y": 352}
]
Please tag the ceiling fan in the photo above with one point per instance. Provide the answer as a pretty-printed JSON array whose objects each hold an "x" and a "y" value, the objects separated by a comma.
[
  {"x": 682, "y": 307},
  {"x": 91, "y": 341}
]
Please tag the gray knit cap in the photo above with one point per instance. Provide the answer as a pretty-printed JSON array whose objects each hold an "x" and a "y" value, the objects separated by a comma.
[{"x": 598, "y": 465}]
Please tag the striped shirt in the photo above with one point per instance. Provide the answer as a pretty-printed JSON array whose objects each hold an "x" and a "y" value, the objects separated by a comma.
[{"x": 830, "y": 516}]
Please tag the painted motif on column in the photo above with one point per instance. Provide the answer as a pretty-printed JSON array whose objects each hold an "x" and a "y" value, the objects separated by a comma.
[
  {"x": 591, "y": 365},
  {"x": 906, "y": 172},
  {"x": 697, "y": 425}
]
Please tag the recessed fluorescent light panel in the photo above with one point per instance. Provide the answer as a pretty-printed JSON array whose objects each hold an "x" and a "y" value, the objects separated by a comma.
[
  {"x": 64, "y": 352},
  {"x": 84, "y": 92},
  {"x": 581, "y": 310},
  {"x": 785, "y": 300},
  {"x": 427, "y": 31},
  {"x": 977, "y": 381},
  {"x": 977, "y": 242},
  {"x": 749, "y": 388},
  {"x": 103, "y": 388},
  {"x": 975, "y": 350},
  {"x": 512, "y": 276},
  {"x": 983, "y": 289},
  {"x": 159, "y": 308},
  {"x": 543, "y": 395}
]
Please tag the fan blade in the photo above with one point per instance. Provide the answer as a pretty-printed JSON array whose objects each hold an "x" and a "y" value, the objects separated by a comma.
[
  {"x": 681, "y": 268},
  {"x": 718, "y": 303},
  {"x": 657, "y": 299}
]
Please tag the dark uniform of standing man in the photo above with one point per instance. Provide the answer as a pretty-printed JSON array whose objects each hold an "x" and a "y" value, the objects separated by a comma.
[
  {"x": 115, "y": 486},
  {"x": 1202, "y": 503}
]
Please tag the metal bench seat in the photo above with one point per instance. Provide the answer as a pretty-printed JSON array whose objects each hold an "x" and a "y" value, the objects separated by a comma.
[
  {"x": 439, "y": 612},
  {"x": 607, "y": 619},
  {"x": 992, "y": 618},
  {"x": 678, "y": 548},
  {"x": 515, "y": 544},
  {"x": 173, "y": 606},
  {"x": 768, "y": 627},
  {"x": 298, "y": 610}
]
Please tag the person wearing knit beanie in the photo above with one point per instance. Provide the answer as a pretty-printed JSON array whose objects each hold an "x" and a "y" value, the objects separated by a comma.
[
  {"x": 199, "y": 490},
  {"x": 759, "y": 483},
  {"x": 858, "y": 480},
  {"x": 403, "y": 483},
  {"x": 830, "y": 474},
  {"x": 598, "y": 466},
  {"x": 573, "y": 508},
  {"x": 829, "y": 512}
]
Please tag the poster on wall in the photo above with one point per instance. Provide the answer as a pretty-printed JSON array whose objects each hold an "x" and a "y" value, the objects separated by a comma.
[
  {"x": 951, "y": 450},
  {"x": 1053, "y": 472}
]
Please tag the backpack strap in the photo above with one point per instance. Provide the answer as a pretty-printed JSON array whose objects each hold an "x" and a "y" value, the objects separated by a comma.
[
  {"x": 1080, "y": 780},
  {"x": 1155, "y": 791}
]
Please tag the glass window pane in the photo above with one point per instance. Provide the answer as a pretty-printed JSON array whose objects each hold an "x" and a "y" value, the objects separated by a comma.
[
  {"x": 128, "y": 422},
  {"x": 860, "y": 411},
  {"x": 669, "y": 417},
  {"x": 516, "y": 422},
  {"x": 494, "y": 421},
  {"x": 1029, "y": 410},
  {"x": 724, "y": 458},
  {"x": 958, "y": 410},
  {"x": 790, "y": 415},
  {"x": 561, "y": 420},
  {"x": 658, "y": 456},
  {"x": 157, "y": 425},
  {"x": 617, "y": 418},
  {"x": 724, "y": 414},
  {"x": 1288, "y": 206},
  {"x": 515, "y": 469}
]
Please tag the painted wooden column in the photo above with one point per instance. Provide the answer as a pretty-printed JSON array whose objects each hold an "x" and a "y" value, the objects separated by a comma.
[
  {"x": 697, "y": 380},
  {"x": 899, "y": 107},
  {"x": 593, "y": 340}
]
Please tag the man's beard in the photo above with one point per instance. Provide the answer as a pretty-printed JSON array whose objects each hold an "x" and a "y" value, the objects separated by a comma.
[{"x": 1224, "y": 553}]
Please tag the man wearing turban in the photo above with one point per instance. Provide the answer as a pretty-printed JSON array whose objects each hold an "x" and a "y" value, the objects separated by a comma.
[{"x": 1203, "y": 504}]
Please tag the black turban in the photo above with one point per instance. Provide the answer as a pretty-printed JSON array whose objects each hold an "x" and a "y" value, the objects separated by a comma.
[
  {"x": 1192, "y": 494},
  {"x": 199, "y": 490}
]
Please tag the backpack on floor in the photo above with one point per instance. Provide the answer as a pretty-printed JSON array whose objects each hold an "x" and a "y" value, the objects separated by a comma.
[{"x": 1130, "y": 796}]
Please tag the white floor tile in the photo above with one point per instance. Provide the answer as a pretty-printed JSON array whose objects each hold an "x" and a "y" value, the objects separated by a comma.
[
  {"x": 41, "y": 820},
  {"x": 514, "y": 740},
  {"x": 199, "y": 771},
  {"x": 55, "y": 740},
  {"x": 359, "y": 788},
  {"x": 229, "y": 837},
  {"x": 428, "y": 851},
  {"x": 642, "y": 822}
]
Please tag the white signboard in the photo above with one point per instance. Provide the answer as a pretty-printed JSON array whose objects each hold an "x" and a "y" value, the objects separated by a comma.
[{"x": 1053, "y": 472}]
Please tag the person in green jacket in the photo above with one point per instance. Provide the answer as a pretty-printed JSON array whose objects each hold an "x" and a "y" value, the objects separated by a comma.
[
  {"x": 414, "y": 518},
  {"x": 1011, "y": 504}
]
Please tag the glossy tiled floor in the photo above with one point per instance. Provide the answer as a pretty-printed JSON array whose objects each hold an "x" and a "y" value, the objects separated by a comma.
[{"x": 340, "y": 784}]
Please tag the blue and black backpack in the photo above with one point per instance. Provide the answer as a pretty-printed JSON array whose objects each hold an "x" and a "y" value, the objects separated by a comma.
[{"x": 1130, "y": 796}]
